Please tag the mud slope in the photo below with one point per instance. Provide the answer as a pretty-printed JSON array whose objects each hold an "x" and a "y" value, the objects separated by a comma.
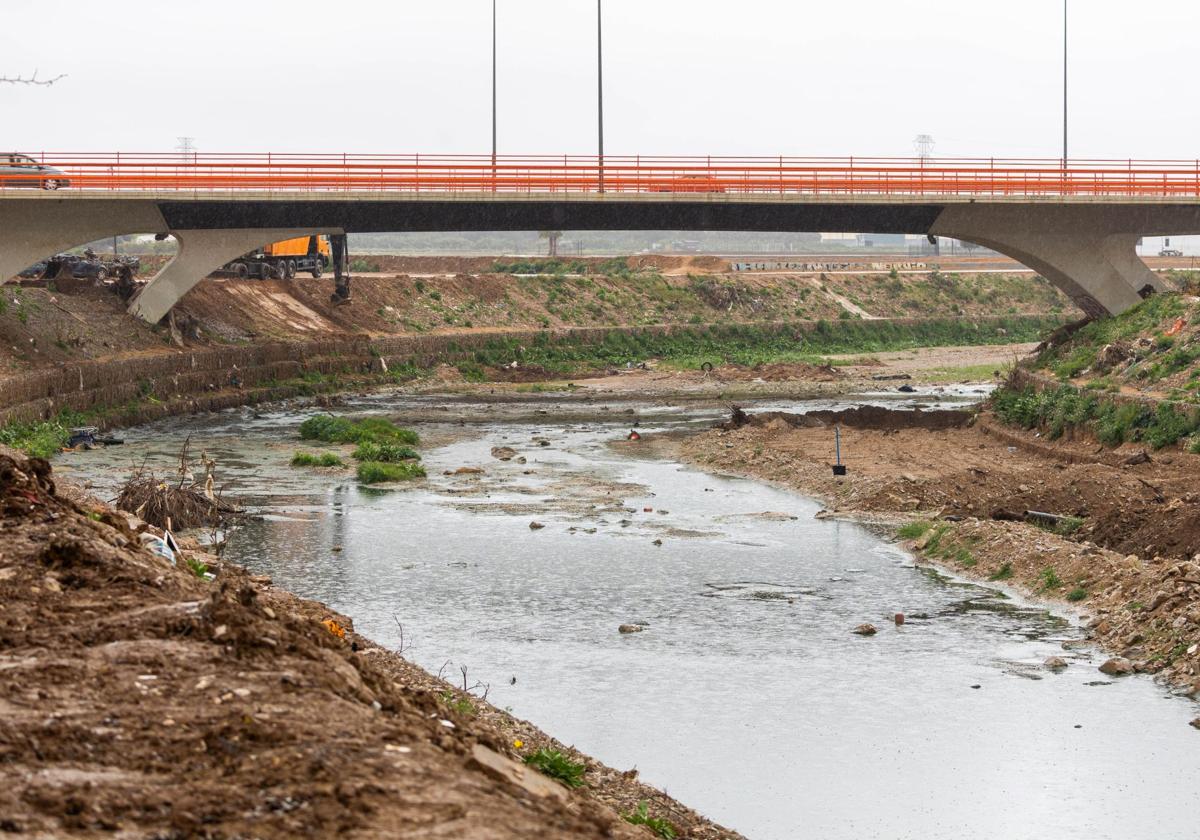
[{"x": 140, "y": 699}]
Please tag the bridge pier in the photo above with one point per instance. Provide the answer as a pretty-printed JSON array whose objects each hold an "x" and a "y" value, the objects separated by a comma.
[
  {"x": 1090, "y": 253},
  {"x": 200, "y": 253}
]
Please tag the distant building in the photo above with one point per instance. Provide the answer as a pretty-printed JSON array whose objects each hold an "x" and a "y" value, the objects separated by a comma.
[{"x": 883, "y": 240}]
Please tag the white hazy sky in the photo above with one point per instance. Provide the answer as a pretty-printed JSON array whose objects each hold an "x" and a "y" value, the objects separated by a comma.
[{"x": 749, "y": 77}]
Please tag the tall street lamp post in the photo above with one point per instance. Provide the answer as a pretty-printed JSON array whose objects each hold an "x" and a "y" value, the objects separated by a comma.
[
  {"x": 600, "y": 87},
  {"x": 1064, "y": 154}
]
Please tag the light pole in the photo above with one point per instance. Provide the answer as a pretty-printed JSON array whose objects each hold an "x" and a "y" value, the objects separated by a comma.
[
  {"x": 600, "y": 87},
  {"x": 1064, "y": 154},
  {"x": 493, "y": 88}
]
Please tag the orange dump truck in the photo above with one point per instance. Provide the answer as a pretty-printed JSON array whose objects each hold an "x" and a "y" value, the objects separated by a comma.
[{"x": 283, "y": 259}]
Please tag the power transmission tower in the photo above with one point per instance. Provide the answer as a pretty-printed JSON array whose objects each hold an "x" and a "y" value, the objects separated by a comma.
[
  {"x": 924, "y": 144},
  {"x": 186, "y": 147}
]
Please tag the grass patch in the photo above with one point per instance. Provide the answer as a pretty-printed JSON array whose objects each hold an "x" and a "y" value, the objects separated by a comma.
[
  {"x": 377, "y": 472},
  {"x": 332, "y": 429},
  {"x": 1005, "y": 572},
  {"x": 1113, "y": 423},
  {"x": 934, "y": 543},
  {"x": 659, "y": 825},
  {"x": 37, "y": 440},
  {"x": 1077, "y": 594},
  {"x": 913, "y": 530},
  {"x": 965, "y": 558},
  {"x": 390, "y": 453},
  {"x": 313, "y": 459},
  {"x": 1049, "y": 579},
  {"x": 689, "y": 347},
  {"x": 557, "y": 766}
]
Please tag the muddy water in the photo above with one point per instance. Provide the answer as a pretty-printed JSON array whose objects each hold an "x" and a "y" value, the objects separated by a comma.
[{"x": 746, "y": 695}]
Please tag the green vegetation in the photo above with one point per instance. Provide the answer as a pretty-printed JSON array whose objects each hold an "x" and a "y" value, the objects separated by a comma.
[
  {"x": 376, "y": 472},
  {"x": 196, "y": 567},
  {"x": 1005, "y": 572},
  {"x": 1049, "y": 578},
  {"x": 39, "y": 440},
  {"x": 1077, "y": 594},
  {"x": 1113, "y": 422},
  {"x": 461, "y": 706},
  {"x": 913, "y": 530},
  {"x": 616, "y": 267},
  {"x": 390, "y": 453},
  {"x": 659, "y": 825},
  {"x": 333, "y": 429},
  {"x": 557, "y": 766},
  {"x": 964, "y": 558},
  {"x": 933, "y": 545},
  {"x": 312, "y": 459},
  {"x": 750, "y": 344}
]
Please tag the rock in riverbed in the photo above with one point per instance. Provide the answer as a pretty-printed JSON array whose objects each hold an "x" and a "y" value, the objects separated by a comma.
[
  {"x": 1118, "y": 666},
  {"x": 1055, "y": 663},
  {"x": 865, "y": 630},
  {"x": 503, "y": 453},
  {"x": 630, "y": 628},
  {"x": 536, "y": 526}
]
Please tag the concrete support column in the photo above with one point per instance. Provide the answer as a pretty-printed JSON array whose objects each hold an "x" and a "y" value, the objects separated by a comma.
[
  {"x": 1089, "y": 253},
  {"x": 200, "y": 253}
]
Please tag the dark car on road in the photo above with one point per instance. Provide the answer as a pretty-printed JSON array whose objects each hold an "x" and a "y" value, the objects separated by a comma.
[{"x": 18, "y": 170}]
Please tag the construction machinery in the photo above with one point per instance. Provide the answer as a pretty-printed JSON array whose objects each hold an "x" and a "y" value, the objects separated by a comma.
[{"x": 282, "y": 260}]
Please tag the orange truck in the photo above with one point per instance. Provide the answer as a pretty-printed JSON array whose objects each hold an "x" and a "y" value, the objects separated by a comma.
[{"x": 282, "y": 260}]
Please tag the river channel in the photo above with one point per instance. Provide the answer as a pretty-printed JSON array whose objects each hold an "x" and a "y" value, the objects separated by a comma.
[{"x": 746, "y": 696}]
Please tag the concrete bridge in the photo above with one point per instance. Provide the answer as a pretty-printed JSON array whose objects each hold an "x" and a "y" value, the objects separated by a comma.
[{"x": 1077, "y": 225}]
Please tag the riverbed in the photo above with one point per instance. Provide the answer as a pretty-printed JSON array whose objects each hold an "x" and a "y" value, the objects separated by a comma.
[{"x": 745, "y": 695}]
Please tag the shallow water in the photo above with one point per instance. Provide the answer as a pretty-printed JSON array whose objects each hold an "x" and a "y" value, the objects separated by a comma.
[{"x": 746, "y": 696}]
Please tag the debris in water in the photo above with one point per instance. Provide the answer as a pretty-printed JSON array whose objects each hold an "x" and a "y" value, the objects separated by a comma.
[
  {"x": 186, "y": 504},
  {"x": 865, "y": 630}
]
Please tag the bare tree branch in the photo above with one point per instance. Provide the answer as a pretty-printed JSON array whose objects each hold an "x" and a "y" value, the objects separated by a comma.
[{"x": 32, "y": 80}]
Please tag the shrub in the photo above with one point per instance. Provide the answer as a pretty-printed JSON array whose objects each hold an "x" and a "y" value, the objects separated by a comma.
[
  {"x": 1049, "y": 579},
  {"x": 196, "y": 567},
  {"x": 37, "y": 440},
  {"x": 659, "y": 825},
  {"x": 311, "y": 459},
  {"x": 461, "y": 706},
  {"x": 1077, "y": 594},
  {"x": 391, "y": 453},
  {"x": 557, "y": 766},
  {"x": 376, "y": 472}
]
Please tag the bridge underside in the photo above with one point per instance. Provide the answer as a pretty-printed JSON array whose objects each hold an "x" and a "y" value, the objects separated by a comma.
[{"x": 1086, "y": 249}]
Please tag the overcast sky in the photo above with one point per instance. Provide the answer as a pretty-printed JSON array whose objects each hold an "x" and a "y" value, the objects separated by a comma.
[{"x": 757, "y": 77}]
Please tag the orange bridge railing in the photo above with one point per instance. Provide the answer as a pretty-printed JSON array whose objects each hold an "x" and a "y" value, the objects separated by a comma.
[{"x": 567, "y": 174}]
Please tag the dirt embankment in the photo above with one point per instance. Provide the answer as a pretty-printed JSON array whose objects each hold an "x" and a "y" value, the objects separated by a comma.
[
  {"x": 139, "y": 699},
  {"x": 1126, "y": 550}
]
